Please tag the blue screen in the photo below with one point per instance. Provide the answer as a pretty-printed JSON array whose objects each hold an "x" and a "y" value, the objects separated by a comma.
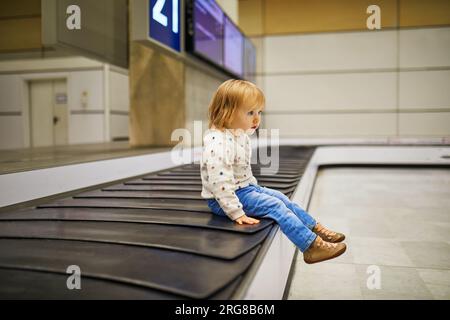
[
  {"x": 208, "y": 22},
  {"x": 165, "y": 22},
  {"x": 249, "y": 60},
  {"x": 234, "y": 48},
  {"x": 212, "y": 35}
]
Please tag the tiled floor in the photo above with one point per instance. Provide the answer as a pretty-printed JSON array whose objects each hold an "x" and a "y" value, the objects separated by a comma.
[{"x": 397, "y": 219}]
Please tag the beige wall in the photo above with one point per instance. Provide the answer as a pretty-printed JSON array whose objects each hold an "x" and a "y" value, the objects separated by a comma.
[
  {"x": 231, "y": 7},
  {"x": 271, "y": 17},
  {"x": 20, "y": 25},
  {"x": 337, "y": 79}
]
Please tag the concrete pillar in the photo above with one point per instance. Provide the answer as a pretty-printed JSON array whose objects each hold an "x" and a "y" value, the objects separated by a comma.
[{"x": 157, "y": 103}]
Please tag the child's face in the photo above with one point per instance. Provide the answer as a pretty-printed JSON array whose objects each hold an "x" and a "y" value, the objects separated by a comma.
[{"x": 247, "y": 119}]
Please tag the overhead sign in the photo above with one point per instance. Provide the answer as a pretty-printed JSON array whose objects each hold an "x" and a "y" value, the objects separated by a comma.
[
  {"x": 212, "y": 36},
  {"x": 164, "y": 22}
]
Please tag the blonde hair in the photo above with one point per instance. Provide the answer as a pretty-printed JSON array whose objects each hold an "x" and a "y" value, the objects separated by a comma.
[{"x": 231, "y": 95}]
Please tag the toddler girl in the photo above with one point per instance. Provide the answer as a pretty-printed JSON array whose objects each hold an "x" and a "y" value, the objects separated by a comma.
[{"x": 231, "y": 189}]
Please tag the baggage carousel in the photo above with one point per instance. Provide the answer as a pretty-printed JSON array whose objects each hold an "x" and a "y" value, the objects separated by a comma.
[{"x": 151, "y": 237}]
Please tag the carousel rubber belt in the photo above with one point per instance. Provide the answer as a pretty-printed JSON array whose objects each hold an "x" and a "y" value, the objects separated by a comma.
[{"x": 147, "y": 238}]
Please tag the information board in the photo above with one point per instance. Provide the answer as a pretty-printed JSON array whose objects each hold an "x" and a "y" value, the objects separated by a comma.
[
  {"x": 208, "y": 24},
  {"x": 233, "y": 48}
]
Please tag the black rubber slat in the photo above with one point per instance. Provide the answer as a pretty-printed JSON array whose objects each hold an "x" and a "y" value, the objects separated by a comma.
[
  {"x": 283, "y": 167},
  {"x": 256, "y": 172},
  {"x": 197, "y": 178},
  {"x": 191, "y": 182},
  {"x": 163, "y": 175},
  {"x": 188, "y": 195},
  {"x": 169, "y": 204},
  {"x": 201, "y": 241},
  {"x": 18, "y": 284},
  {"x": 153, "y": 216},
  {"x": 184, "y": 274},
  {"x": 125, "y": 187}
]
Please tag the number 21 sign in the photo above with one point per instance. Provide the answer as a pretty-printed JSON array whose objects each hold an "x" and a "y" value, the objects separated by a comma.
[{"x": 165, "y": 22}]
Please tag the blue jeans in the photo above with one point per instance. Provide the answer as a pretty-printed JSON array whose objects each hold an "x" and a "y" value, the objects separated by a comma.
[{"x": 262, "y": 202}]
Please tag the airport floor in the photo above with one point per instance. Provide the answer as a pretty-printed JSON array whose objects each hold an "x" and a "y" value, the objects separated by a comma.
[
  {"x": 25, "y": 159},
  {"x": 397, "y": 219}
]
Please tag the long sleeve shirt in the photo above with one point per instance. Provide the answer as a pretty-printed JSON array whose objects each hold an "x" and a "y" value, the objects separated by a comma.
[{"x": 225, "y": 167}]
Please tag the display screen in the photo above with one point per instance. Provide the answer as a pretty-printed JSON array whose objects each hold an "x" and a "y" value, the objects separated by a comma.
[
  {"x": 208, "y": 26},
  {"x": 249, "y": 60},
  {"x": 233, "y": 48},
  {"x": 212, "y": 36}
]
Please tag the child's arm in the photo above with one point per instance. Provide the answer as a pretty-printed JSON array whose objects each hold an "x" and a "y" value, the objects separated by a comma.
[{"x": 220, "y": 177}]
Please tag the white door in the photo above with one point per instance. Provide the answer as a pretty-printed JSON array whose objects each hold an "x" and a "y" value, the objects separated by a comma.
[
  {"x": 49, "y": 119},
  {"x": 60, "y": 127}
]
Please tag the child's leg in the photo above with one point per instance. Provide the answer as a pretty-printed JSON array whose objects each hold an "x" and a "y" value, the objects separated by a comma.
[
  {"x": 306, "y": 218},
  {"x": 258, "y": 204},
  {"x": 310, "y": 222}
]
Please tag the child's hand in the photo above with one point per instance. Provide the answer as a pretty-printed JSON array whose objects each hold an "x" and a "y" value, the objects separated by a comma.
[{"x": 247, "y": 220}]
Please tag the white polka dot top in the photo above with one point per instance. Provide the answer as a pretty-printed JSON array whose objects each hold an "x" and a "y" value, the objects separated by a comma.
[{"x": 225, "y": 167}]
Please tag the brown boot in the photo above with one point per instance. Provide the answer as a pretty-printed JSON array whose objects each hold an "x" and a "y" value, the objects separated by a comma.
[
  {"x": 321, "y": 250},
  {"x": 328, "y": 235}
]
